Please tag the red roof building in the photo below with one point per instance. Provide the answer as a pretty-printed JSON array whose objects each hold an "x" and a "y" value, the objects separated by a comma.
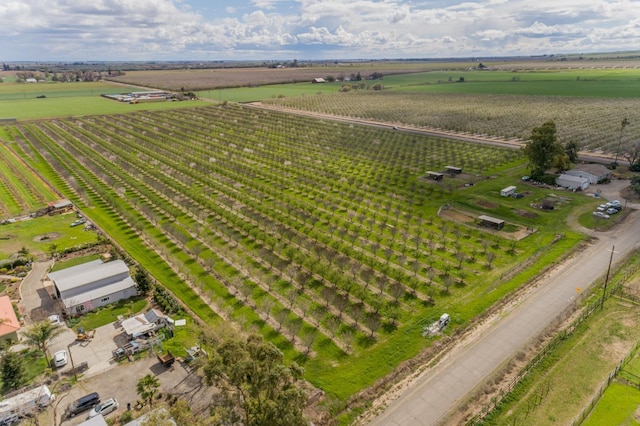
[{"x": 9, "y": 324}]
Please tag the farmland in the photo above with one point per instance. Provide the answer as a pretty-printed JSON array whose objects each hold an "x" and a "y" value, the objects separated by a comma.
[
  {"x": 217, "y": 78},
  {"x": 594, "y": 123},
  {"x": 21, "y": 101},
  {"x": 21, "y": 191},
  {"x": 323, "y": 236}
]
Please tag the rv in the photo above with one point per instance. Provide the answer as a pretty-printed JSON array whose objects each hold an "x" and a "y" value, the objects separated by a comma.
[{"x": 25, "y": 403}]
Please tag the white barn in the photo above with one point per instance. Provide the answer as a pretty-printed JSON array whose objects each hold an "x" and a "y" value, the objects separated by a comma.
[
  {"x": 594, "y": 172},
  {"x": 90, "y": 285},
  {"x": 572, "y": 182}
]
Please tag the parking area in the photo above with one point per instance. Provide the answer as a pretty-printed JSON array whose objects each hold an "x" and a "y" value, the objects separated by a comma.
[
  {"x": 96, "y": 352},
  {"x": 103, "y": 375},
  {"x": 120, "y": 383}
]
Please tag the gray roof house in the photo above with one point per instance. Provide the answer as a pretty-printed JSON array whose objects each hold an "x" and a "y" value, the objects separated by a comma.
[
  {"x": 596, "y": 173},
  {"x": 572, "y": 182},
  {"x": 90, "y": 285}
]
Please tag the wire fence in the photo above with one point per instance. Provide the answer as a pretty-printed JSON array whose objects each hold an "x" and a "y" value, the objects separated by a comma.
[{"x": 617, "y": 288}]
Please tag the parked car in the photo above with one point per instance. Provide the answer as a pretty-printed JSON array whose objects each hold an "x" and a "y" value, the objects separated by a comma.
[
  {"x": 60, "y": 358},
  {"x": 108, "y": 406},
  {"x": 55, "y": 319},
  {"x": 601, "y": 214},
  {"x": 602, "y": 207},
  {"x": 78, "y": 222},
  {"x": 83, "y": 404},
  {"x": 611, "y": 211}
]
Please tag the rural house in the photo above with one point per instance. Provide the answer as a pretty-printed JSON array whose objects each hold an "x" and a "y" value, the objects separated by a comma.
[
  {"x": 318, "y": 80},
  {"x": 573, "y": 183},
  {"x": 10, "y": 325},
  {"x": 596, "y": 173},
  {"x": 90, "y": 285}
]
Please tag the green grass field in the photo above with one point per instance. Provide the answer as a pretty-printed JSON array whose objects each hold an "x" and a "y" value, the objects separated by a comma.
[
  {"x": 597, "y": 83},
  {"x": 28, "y": 233},
  {"x": 71, "y": 99},
  {"x": 618, "y": 406}
]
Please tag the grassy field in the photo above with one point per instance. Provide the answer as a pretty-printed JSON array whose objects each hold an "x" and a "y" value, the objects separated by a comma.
[
  {"x": 30, "y": 233},
  {"x": 557, "y": 389},
  {"x": 618, "y": 406},
  {"x": 71, "y": 99}
]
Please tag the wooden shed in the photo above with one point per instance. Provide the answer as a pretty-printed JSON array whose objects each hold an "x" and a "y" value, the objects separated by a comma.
[
  {"x": 435, "y": 176},
  {"x": 491, "y": 222},
  {"x": 453, "y": 170}
]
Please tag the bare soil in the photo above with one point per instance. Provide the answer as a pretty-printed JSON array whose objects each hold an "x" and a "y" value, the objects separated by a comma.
[{"x": 51, "y": 236}]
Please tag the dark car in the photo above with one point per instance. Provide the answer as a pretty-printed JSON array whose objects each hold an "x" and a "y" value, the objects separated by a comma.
[{"x": 85, "y": 403}]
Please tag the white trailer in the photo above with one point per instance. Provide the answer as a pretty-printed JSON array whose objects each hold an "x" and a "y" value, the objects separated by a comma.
[
  {"x": 508, "y": 191},
  {"x": 25, "y": 403}
]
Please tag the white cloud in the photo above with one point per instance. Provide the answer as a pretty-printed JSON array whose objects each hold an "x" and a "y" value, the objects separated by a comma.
[{"x": 171, "y": 29}]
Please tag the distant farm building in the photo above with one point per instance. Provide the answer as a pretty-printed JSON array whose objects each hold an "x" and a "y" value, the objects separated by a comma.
[
  {"x": 90, "y": 285},
  {"x": 142, "y": 97},
  {"x": 573, "y": 183},
  {"x": 435, "y": 176},
  {"x": 508, "y": 191},
  {"x": 10, "y": 325},
  {"x": 490, "y": 222},
  {"x": 318, "y": 80},
  {"x": 453, "y": 170},
  {"x": 596, "y": 173}
]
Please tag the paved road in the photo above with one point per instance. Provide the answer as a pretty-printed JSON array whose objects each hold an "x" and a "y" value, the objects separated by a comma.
[{"x": 430, "y": 397}]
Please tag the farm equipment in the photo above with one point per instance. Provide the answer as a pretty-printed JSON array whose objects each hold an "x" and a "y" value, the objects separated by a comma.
[
  {"x": 167, "y": 359},
  {"x": 83, "y": 335},
  {"x": 127, "y": 350}
]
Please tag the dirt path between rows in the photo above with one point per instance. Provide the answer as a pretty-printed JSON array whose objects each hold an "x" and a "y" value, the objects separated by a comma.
[{"x": 468, "y": 137}]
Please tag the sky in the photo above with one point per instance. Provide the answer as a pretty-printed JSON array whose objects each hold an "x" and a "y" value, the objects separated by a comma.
[{"x": 283, "y": 30}]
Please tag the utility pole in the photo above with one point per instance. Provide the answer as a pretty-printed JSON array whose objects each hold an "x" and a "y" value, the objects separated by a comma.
[
  {"x": 625, "y": 123},
  {"x": 606, "y": 280}
]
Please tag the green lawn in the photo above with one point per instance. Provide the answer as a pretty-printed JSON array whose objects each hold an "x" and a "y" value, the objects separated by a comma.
[
  {"x": 108, "y": 314},
  {"x": 618, "y": 406},
  {"x": 34, "y": 363},
  {"x": 74, "y": 262},
  {"x": 29, "y": 233}
]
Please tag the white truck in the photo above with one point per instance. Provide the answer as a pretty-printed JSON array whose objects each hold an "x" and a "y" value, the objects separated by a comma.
[{"x": 24, "y": 403}]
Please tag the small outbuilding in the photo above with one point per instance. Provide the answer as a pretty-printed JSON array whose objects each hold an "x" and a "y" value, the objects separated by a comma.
[
  {"x": 141, "y": 324},
  {"x": 508, "y": 191},
  {"x": 573, "y": 183},
  {"x": 491, "y": 222},
  {"x": 435, "y": 176},
  {"x": 318, "y": 80},
  {"x": 453, "y": 170}
]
